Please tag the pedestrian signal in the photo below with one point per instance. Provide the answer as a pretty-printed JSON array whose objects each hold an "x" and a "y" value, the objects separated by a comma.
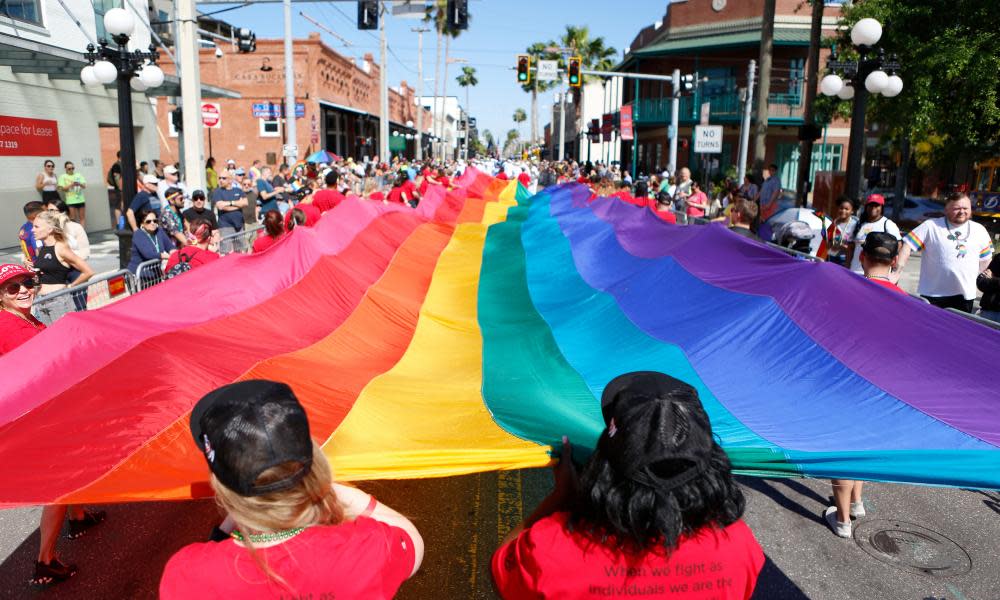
[
  {"x": 246, "y": 40},
  {"x": 458, "y": 14},
  {"x": 573, "y": 71},
  {"x": 523, "y": 68},
  {"x": 367, "y": 14},
  {"x": 687, "y": 82}
]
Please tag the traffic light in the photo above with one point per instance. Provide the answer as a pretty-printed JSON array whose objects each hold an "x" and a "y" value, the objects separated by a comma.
[
  {"x": 523, "y": 68},
  {"x": 573, "y": 71},
  {"x": 458, "y": 14},
  {"x": 367, "y": 14},
  {"x": 177, "y": 118},
  {"x": 246, "y": 40}
]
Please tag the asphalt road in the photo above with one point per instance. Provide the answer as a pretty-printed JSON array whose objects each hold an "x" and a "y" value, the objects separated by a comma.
[{"x": 462, "y": 519}]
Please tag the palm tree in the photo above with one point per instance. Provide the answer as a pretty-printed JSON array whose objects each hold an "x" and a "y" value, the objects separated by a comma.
[
  {"x": 467, "y": 79},
  {"x": 594, "y": 55},
  {"x": 438, "y": 12},
  {"x": 512, "y": 136},
  {"x": 534, "y": 87},
  {"x": 519, "y": 117}
]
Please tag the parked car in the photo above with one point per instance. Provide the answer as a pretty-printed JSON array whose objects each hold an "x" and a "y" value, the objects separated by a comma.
[{"x": 916, "y": 210}]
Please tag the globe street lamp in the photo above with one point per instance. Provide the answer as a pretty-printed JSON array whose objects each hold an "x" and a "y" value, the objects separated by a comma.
[
  {"x": 871, "y": 73},
  {"x": 134, "y": 70}
]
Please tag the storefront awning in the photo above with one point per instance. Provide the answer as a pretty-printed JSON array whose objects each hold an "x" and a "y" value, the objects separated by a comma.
[
  {"x": 782, "y": 37},
  {"x": 364, "y": 113},
  {"x": 27, "y": 56}
]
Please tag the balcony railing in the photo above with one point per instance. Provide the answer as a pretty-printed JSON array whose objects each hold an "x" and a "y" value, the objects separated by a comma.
[{"x": 725, "y": 107}]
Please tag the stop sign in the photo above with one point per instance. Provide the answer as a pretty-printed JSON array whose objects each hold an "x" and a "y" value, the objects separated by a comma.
[{"x": 211, "y": 116}]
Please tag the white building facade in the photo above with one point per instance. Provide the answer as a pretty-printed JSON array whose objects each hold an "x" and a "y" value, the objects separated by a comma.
[
  {"x": 47, "y": 113},
  {"x": 446, "y": 111}
]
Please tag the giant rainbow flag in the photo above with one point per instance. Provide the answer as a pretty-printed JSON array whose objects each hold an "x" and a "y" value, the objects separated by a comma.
[{"x": 470, "y": 334}]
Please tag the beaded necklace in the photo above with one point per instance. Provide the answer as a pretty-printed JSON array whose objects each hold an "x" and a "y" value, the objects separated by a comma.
[{"x": 264, "y": 538}]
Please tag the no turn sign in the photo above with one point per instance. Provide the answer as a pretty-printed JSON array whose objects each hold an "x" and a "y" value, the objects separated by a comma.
[
  {"x": 708, "y": 139},
  {"x": 211, "y": 115}
]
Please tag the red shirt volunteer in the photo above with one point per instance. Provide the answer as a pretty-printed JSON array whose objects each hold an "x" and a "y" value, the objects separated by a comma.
[
  {"x": 714, "y": 563},
  {"x": 263, "y": 242},
  {"x": 14, "y": 330},
  {"x": 194, "y": 255},
  {"x": 363, "y": 559},
  {"x": 326, "y": 199},
  {"x": 524, "y": 178}
]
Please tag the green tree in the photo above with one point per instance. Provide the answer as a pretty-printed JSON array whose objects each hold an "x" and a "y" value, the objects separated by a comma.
[
  {"x": 949, "y": 51},
  {"x": 510, "y": 145},
  {"x": 519, "y": 117},
  {"x": 594, "y": 55},
  {"x": 466, "y": 80}
]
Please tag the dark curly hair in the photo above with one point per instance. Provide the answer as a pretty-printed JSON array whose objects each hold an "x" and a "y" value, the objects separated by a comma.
[{"x": 688, "y": 484}]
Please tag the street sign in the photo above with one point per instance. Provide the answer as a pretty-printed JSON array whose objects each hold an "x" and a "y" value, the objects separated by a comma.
[
  {"x": 276, "y": 110},
  {"x": 706, "y": 108},
  {"x": 708, "y": 139},
  {"x": 548, "y": 70},
  {"x": 290, "y": 150},
  {"x": 211, "y": 115}
]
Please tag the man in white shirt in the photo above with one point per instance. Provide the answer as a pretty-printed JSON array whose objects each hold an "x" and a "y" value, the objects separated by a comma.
[
  {"x": 956, "y": 250},
  {"x": 171, "y": 179}
]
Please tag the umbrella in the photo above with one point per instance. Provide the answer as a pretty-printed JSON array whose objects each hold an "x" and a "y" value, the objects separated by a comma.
[
  {"x": 322, "y": 156},
  {"x": 806, "y": 215}
]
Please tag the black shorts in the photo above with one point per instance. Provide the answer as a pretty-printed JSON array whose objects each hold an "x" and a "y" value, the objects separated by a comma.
[{"x": 115, "y": 200}]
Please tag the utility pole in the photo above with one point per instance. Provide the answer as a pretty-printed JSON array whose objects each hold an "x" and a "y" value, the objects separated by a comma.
[
  {"x": 675, "y": 111},
  {"x": 745, "y": 126},
  {"x": 193, "y": 158},
  {"x": 562, "y": 124},
  {"x": 383, "y": 85},
  {"x": 766, "y": 54},
  {"x": 420, "y": 31},
  {"x": 806, "y": 144},
  {"x": 291, "y": 147}
]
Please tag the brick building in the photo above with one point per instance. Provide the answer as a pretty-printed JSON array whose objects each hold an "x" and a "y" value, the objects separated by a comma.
[
  {"x": 337, "y": 105},
  {"x": 717, "y": 39}
]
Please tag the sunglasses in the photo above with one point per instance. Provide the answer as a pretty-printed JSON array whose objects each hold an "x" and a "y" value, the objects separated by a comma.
[
  {"x": 148, "y": 221},
  {"x": 49, "y": 165},
  {"x": 12, "y": 288}
]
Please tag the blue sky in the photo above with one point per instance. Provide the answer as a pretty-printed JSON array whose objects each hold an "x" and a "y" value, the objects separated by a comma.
[{"x": 499, "y": 29}]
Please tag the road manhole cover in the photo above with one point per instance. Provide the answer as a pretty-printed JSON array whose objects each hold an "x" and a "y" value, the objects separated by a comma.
[{"x": 912, "y": 548}]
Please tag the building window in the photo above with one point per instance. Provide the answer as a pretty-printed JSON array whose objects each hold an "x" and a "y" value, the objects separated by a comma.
[
  {"x": 21, "y": 10},
  {"x": 101, "y": 7},
  {"x": 270, "y": 127}
]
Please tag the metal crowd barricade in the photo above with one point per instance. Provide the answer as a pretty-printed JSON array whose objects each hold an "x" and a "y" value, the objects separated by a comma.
[
  {"x": 241, "y": 241},
  {"x": 100, "y": 291},
  {"x": 148, "y": 274}
]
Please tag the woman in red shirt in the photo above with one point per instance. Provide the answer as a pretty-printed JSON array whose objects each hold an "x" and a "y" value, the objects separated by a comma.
[
  {"x": 298, "y": 534},
  {"x": 655, "y": 512},
  {"x": 17, "y": 325},
  {"x": 697, "y": 202},
  {"x": 200, "y": 251},
  {"x": 273, "y": 230}
]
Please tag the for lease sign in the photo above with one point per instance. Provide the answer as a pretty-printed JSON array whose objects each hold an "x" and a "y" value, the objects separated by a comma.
[{"x": 21, "y": 136}]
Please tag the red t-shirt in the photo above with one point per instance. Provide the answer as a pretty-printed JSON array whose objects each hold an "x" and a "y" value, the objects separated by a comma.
[
  {"x": 888, "y": 284},
  {"x": 264, "y": 241},
  {"x": 502, "y": 175},
  {"x": 312, "y": 214},
  {"x": 666, "y": 215},
  {"x": 326, "y": 199},
  {"x": 195, "y": 255},
  {"x": 700, "y": 198},
  {"x": 547, "y": 561},
  {"x": 376, "y": 196},
  {"x": 363, "y": 559},
  {"x": 14, "y": 330},
  {"x": 524, "y": 178},
  {"x": 396, "y": 195}
]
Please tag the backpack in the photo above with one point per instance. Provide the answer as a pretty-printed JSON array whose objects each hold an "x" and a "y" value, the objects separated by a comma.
[{"x": 182, "y": 266}]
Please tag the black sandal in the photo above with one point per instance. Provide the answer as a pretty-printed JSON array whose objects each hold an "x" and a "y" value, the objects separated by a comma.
[
  {"x": 78, "y": 527},
  {"x": 53, "y": 572}
]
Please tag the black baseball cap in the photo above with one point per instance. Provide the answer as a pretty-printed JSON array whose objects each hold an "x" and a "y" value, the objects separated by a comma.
[
  {"x": 197, "y": 194},
  {"x": 880, "y": 244},
  {"x": 658, "y": 433},
  {"x": 245, "y": 428}
]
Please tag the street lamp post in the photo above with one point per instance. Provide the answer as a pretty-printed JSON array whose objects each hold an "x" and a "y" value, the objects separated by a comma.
[
  {"x": 132, "y": 70},
  {"x": 867, "y": 74}
]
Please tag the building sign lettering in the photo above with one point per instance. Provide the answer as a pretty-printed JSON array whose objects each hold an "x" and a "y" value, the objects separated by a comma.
[{"x": 21, "y": 136}]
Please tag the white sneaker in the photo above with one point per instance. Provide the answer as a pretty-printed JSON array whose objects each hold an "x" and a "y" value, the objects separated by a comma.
[
  {"x": 857, "y": 509},
  {"x": 841, "y": 529}
]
